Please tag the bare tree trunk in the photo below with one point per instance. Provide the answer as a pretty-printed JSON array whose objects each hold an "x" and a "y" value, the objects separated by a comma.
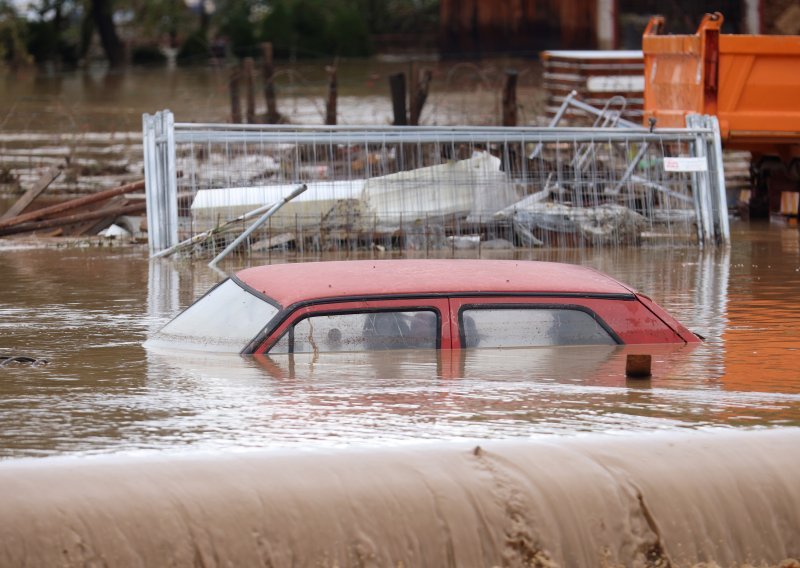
[{"x": 102, "y": 14}]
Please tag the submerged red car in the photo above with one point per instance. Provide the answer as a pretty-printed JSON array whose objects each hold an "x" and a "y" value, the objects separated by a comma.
[{"x": 418, "y": 304}]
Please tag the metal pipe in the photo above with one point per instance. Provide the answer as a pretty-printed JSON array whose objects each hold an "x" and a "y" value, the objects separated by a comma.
[
  {"x": 573, "y": 135},
  {"x": 630, "y": 169},
  {"x": 261, "y": 220},
  {"x": 554, "y": 121},
  {"x": 205, "y": 234},
  {"x": 594, "y": 110}
]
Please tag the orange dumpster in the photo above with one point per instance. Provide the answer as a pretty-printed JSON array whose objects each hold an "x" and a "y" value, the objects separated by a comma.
[{"x": 750, "y": 82}]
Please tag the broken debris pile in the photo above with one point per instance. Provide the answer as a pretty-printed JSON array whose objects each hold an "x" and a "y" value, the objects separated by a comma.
[{"x": 86, "y": 215}]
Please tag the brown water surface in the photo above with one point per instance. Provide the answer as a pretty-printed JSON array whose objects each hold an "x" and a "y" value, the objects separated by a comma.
[
  {"x": 98, "y": 100},
  {"x": 88, "y": 310}
]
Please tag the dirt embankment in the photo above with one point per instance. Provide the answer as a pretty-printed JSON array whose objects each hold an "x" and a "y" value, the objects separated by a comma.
[{"x": 721, "y": 498}]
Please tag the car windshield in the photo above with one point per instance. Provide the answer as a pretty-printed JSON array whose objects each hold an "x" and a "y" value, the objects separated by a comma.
[{"x": 226, "y": 319}]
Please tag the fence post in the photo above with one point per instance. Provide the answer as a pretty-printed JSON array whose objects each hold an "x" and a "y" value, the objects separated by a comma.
[
  {"x": 510, "y": 98},
  {"x": 419, "y": 94},
  {"x": 150, "y": 180},
  {"x": 397, "y": 85},
  {"x": 161, "y": 181},
  {"x": 715, "y": 150},
  {"x": 236, "y": 104},
  {"x": 171, "y": 182},
  {"x": 330, "y": 107},
  {"x": 702, "y": 189},
  {"x": 249, "y": 90},
  {"x": 269, "y": 86}
]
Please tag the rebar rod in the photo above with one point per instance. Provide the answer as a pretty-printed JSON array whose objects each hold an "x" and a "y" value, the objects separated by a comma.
[{"x": 238, "y": 240}]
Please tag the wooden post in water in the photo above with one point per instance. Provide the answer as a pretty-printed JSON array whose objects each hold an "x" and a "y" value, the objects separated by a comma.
[
  {"x": 419, "y": 95},
  {"x": 236, "y": 104},
  {"x": 397, "y": 85},
  {"x": 330, "y": 107},
  {"x": 638, "y": 366},
  {"x": 510, "y": 98},
  {"x": 249, "y": 89},
  {"x": 269, "y": 85}
]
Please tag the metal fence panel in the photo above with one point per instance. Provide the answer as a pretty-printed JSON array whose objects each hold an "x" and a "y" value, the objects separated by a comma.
[{"x": 428, "y": 188}]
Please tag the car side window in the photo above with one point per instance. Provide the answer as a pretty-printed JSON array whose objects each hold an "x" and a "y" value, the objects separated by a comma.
[
  {"x": 363, "y": 331},
  {"x": 528, "y": 327}
]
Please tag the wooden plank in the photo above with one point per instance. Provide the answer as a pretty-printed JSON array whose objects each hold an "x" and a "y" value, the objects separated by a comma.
[
  {"x": 29, "y": 196},
  {"x": 94, "y": 226},
  {"x": 72, "y": 204},
  {"x": 72, "y": 219}
]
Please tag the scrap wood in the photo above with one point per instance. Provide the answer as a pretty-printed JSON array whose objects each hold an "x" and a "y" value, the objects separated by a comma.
[
  {"x": 94, "y": 226},
  {"x": 272, "y": 242},
  {"x": 70, "y": 205},
  {"x": 71, "y": 219},
  {"x": 33, "y": 192}
]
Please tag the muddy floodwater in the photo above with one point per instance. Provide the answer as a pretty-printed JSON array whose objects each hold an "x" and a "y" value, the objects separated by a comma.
[
  {"x": 87, "y": 311},
  {"x": 114, "y": 455}
]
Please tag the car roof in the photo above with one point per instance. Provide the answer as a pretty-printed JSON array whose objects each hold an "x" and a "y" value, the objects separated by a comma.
[{"x": 288, "y": 284}]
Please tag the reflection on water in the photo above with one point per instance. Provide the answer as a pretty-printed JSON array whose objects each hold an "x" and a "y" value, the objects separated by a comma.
[{"x": 88, "y": 311}]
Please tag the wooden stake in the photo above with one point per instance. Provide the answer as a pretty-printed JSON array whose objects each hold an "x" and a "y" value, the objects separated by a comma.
[
  {"x": 269, "y": 86},
  {"x": 638, "y": 366},
  {"x": 397, "y": 85},
  {"x": 236, "y": 104},
  {"x": 249, "y": 90},
  {"x": 510, "y": 98},
  {"x": 330, "y": 108},
  {"x": 420, "y": 96}
]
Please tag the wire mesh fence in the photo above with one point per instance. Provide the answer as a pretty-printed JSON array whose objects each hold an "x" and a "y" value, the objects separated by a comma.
[{"x": 433, "y": 188}]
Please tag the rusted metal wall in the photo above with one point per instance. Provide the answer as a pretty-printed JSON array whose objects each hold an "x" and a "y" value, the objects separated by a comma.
[{"x": 483, "y": 27}]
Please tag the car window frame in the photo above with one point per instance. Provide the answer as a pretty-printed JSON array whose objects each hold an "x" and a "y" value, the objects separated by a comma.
[
  {"x": 439, "y": 306},
  {"x": 459, "y": 305}
]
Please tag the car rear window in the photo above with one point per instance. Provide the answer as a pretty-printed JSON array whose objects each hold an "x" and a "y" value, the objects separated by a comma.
[
  {"x": 364, "y": 331},
  {"x": 528, "y": 327},
  {"x": 226, "y": 319}
]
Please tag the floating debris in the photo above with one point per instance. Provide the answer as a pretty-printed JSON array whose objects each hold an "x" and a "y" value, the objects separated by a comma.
[{"x": 14, "y": 360}]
